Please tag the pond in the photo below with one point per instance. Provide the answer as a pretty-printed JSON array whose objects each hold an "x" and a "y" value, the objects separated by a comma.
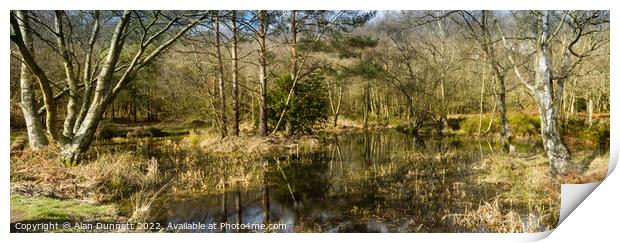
[{"x": 377, "y": 181}]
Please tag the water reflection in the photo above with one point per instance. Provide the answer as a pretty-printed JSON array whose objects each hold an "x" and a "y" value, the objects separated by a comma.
[{"x": 362, "y": 182}]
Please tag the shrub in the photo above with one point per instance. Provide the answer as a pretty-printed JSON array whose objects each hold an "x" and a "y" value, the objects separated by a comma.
[
  {"x": 308, "y": 107},
  {"x": 522, "y": 125},
  {"x": 598, "y": 133}
]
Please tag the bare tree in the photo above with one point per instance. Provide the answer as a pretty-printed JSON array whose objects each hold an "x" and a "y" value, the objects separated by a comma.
[
  {"x": 75, "y": 142},
  {"x": 480, "y": 30},
  {"x": 220, "y": 77},
  {"x": 547, "y": 83}
]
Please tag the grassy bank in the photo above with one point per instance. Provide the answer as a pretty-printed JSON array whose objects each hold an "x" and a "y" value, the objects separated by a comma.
[
  {"x": 130, "y": 178},
  {"x": 575, "y": 130},
  {"x": 35, "y": 209},
  {"x": 525, "y": 182}
]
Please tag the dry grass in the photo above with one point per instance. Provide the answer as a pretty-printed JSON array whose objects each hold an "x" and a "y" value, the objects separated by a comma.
[
  {"x": 212, "y": 143},
  {"x": 112, "y": 176},
  {"x": 490, "y": 216},
  {"x": 523, "y": 183},
  {"x": 596, "y": 171},
  {"x": 142, "y": 203},
  {"x": 344, "y": 124},
  {"x": 117, "y": 176}
]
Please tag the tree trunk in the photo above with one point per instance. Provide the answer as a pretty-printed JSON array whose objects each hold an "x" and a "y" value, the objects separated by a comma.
[
  {"x": 220, "y": 77},
  {"x": 43, "y": 80},
  {"x": 293, "y": 44},
  {"x": 235, "y": 73},
  {"x": 34, "y": 127},
  {"x": 548, "y": 107},
  {"x": 481, "y": 101},
  {"x": 556, "y": 151},
  {"x": 72, "y": 106},
  {"x": 262, "y": 75},
  {"x": 366, "y": 104},
  {"x": 505, "y": 127},
  {"x": 546, "y": 97},
  {"x": 500, "y": 77},
  {"x": 590, "y": 110},
  {"x": 293, "y": 73},
  {"x": 73, "y": 150},
  {"x": 87, "y": 75},
  {"x": 337, "y": 110}
]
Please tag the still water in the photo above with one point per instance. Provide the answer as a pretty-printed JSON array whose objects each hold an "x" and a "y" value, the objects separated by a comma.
[{"x": 381, "y": 181}]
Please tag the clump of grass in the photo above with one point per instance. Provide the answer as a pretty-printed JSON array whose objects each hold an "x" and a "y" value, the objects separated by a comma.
[
  {"x": 521, "y": 183},
  {"x": 115, "y": 176},
  {"x": 142, "y": 202},
  {"x": 523, "y": 125},
  {"x": 470, "y": 125},
  {"x": 217, "y": 174},
  {"x": 194, "y": 138},
  {"x": 491, "y": 217}
]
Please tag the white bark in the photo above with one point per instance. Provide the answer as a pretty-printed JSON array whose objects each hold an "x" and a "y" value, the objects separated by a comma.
[
  {"x": 235, "y": 73},
  {"x": 546, "y": 97},
  {"x": 34, "y": 127}
]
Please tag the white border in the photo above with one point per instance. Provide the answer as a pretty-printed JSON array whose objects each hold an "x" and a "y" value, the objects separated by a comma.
[{"x": 572, "y": 227}]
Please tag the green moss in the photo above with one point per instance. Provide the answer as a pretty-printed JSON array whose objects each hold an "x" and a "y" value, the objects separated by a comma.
[{"x": 39, "y": 209}]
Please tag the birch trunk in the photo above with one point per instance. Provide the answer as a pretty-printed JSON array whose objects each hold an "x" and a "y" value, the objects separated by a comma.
[
  {"x": 34, "y": 127},
  {"x": 72, "y": 106},
  {"x": 546, "y": 95},
  {"x": 87, "y": 76},
  {"x": 543, "y": 91},
  {"x": 73, "y": 150},
  {"x": 42, "y": 79},
  {"x": 235, "y": 73},
  {"x": 500, "y": 77}
]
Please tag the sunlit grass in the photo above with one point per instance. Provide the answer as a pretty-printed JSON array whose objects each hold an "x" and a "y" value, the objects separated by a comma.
[{"x": 43, "y": 209}]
